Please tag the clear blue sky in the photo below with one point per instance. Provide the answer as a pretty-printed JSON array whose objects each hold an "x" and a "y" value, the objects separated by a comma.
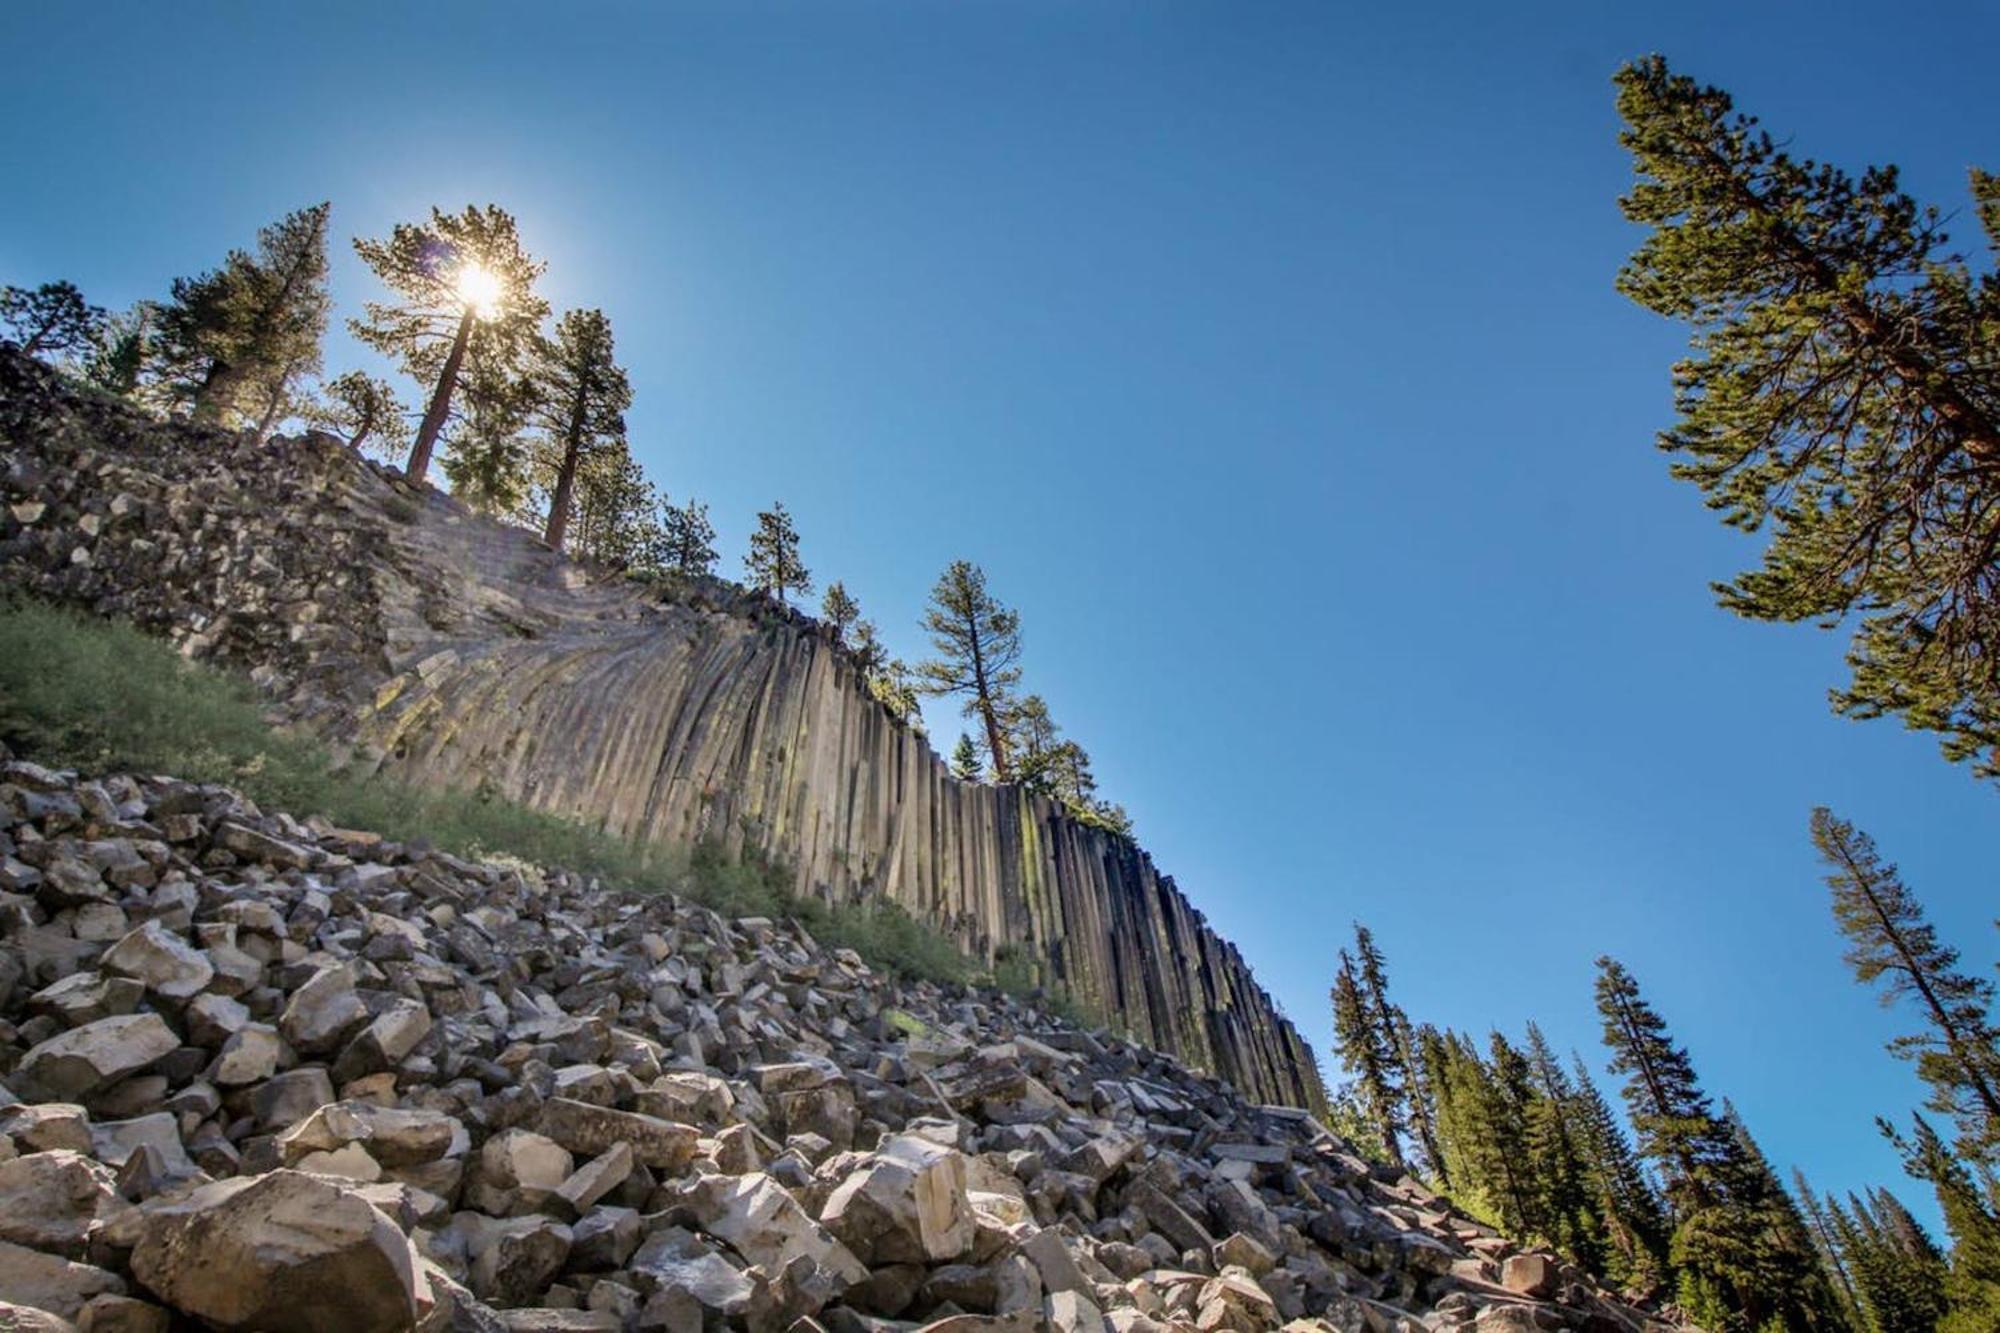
[{"x": 1267, "y": 357}]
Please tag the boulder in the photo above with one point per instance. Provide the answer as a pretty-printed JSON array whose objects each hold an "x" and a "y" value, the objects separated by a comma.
[
  {"x": 283, "y": 1252},
  {"x": 84, "y": 1060},
  {"x": 393, "y": 1136},
  {"x": 766, "y": 1225},
  {"x": 906, "y": 1204},
  {"x": 588, "y": 1130},
  {"x": 1529, "y": 1274},
  {"x": 54, "y": 1200},
  {"x": 47, "y": 1282},
  {"x": 161, "y": 961}
]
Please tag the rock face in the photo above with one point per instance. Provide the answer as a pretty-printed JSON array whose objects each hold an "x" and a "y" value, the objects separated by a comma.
[
  {"x": 612, "y": 1116},
  {"x": 457, "y": 651}
]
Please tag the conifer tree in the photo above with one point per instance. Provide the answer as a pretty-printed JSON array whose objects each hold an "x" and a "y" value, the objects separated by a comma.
[
  {"x": 1900, "y": 1276},
  {"x": 1736, "y": 1266},
  {"x": 1829, "y": 1240},
  {"x": 364, "y": 410},
  {"x": 465, "y": 291},
  {"x": 1890, "y": 942},
  {"x": 887, "y": 678},
  {"x": 773, "y": 563},
  {"x": 687, "y": 539},
  {"x": 1567, "y": 1205},
  {"x": 1414, "y": 1110},
  {"x": 1510, "y": 1107},
  {"x": 965, "y": 759},
  {"x": 1972, "y": 1284},
  {"x": 579, "y": 398},
  {"x": 1362, "y": 1051},
  {"x": 233, "y": 343},
  {"x": 1634, "y": 1221},
  {"x": 1844, "y": 389},
  {"x": 978, "y": 642},
  {"x": 49, "y": 320},
  {"x": 118, "y": 351},
  {"x": 487, "y": 461},
  {"x": 838, "y": 611},
  {"x": 613, "y": 507}
]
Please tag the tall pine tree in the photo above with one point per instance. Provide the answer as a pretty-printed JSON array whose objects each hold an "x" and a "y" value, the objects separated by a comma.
[
  {"x": 773, "y": 563},
  {"x": 1890, "y": 943},
  {"x": 579, "y": 400},
  {"x": 465, "y": 292},
  {"x": 1364, "y": 1053},
  {"x": 978, "y": 646},
  {"x": 1844, "y": 389}
]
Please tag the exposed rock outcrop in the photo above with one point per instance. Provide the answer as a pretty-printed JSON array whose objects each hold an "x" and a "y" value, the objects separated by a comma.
[
  {"x": 450, "y": 649},
  {"x": 614, "y": 1117}
]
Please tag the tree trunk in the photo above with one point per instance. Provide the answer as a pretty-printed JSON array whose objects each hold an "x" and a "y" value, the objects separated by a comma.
[
  {"x": 566, "y": 477},
  {"x": 996, "y": 744},
  {"x": 277, "y": 402},
  {"x": 207, "y": 404},
  {"x": 434, "y": 415}
]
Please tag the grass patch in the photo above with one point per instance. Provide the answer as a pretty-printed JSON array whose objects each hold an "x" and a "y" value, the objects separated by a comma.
[{"x": 100, "y": 696}]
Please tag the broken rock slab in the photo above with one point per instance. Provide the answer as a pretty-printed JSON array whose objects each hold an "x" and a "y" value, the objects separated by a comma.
[{"x": 283, "y": 1252}]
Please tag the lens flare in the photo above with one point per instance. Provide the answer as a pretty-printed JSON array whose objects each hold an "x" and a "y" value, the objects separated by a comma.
[{"x": 480, "y": 290}]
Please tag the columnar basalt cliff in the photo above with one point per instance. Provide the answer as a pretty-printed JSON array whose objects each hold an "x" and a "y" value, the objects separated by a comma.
[{"x": 449, "y": 649}]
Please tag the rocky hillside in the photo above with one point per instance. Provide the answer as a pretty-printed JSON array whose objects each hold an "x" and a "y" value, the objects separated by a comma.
[
  {"x": 454, "y": 650},
  {"x": 266, "y": 1075}
]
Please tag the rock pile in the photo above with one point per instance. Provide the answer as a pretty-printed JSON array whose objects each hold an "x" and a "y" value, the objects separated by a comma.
[{"x": 270, "y": 1075}]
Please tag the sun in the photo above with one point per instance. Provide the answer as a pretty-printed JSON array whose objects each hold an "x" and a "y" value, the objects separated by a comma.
[{"x": 479, "y": 289}]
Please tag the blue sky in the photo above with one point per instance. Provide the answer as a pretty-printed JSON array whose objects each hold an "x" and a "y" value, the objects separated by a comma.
[{"x": 1266, "y": 356}]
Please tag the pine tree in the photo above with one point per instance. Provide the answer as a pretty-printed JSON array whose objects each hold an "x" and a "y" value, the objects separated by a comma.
[
  {"x": 1634, "y": 1221},
  {"x": 1567, "y": 1204},
  {"x": 1736, "y": 1266},
  {"x": 612, "y": 512},
  {"x": 579, "y": 399},
  {"x": 1510, "y": 1110},
  {"x": 1414, "y": 1108},
  {"x": 887, "y": 678},
  {"x": 1890, "y": 942},
  {"x": 965, "y": 759},
  {"x": 50, "y": 320},
  {"x": 234, "y": 343},
  {"x": 487, "y": 458},
  {"x": 838, "y": 611},
  {"x": 687, "y": 539},
  {"x": 773, "y": 563},
  {"x": 1785, "y": 1247},
  {"x": 1824, "y": 1220},
  {"x": 118, "y": 351},
  {"x": 1844, "y": 388},
  {"x": 1364, "y": 1054},
  {"x": 1032, "y": 738},
  {"x": 1972, "y": 1285},
  {"x": 1635, "y": 1215},
  {"x": 978, "y": 642},
  {"x": 364, "y": 410},
  {"x": 1899, "y": 1273},
  {"x": 466, "y": 292}
]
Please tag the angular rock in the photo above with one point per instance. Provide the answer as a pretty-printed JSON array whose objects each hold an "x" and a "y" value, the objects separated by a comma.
[
  {"x": 83, "y": 1060},
  {"x": 54, "y": 1200},
  {"x": 283, "y": 1252},
  {"x": 589, "y": 1130},
  {"x": 160, "y": 960},
  {"x": 908, "y": 1204}
]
